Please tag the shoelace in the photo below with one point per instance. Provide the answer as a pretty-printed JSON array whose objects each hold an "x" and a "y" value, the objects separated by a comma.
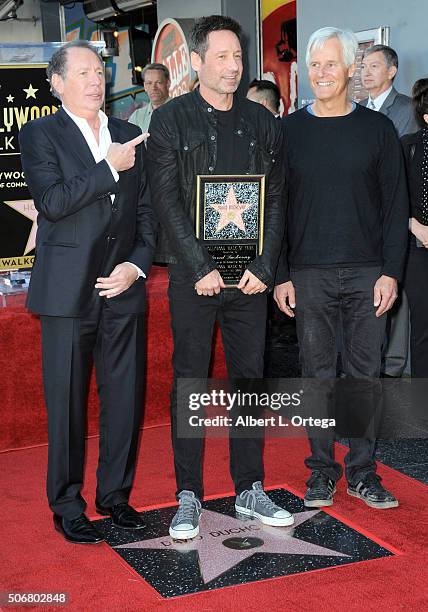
[
  {"x": 257, "y": 495},
  {"x": 372, "y": 483},
  {"x": 318, "y": 481},
  {"x": 187, "y": 507}
]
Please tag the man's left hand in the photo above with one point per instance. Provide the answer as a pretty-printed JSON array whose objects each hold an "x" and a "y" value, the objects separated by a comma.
[
  {"x": 250, "y": 284},
  {"x": 122, "y": 277},
  {"x": 385, "y": 294}
]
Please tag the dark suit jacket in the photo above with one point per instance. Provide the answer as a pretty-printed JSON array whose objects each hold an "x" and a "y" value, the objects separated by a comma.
[
  {"x": 399, "y": 108},
  {"x": 81, "y": 235},
  {"x": 414, "y": 155}
]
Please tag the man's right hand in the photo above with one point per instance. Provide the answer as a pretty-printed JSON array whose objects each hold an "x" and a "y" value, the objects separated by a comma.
[
  {"x": 122, "y": 156},
  {"x": 210, "y": 284},
  {"x": 285, "y": 297}
]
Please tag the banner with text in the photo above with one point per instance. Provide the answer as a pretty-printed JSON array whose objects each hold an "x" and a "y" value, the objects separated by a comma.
[{"x": 24, "y": 95}]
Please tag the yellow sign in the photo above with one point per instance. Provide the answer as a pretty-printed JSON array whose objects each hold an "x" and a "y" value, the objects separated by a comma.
[
  {"x": 11, "y": 263},
  {"x": 24, "y": 96}
]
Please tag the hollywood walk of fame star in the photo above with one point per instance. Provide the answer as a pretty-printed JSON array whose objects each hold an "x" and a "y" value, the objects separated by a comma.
[
  {"x": 27, "y": 208},
  {"x": 10, "y": 98},
  {"x": 30, "y": 91},
  {"x": 230, "y": 211},
  {"x": 250, "y": 536}
]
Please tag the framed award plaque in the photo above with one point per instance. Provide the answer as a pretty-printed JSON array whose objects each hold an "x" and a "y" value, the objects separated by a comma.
[{"x": 229, "y": 221}]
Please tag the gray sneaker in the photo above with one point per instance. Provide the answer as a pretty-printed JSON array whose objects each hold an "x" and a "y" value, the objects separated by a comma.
[
  {"x": 257, "y": 504},
  {"x": 185, "y": 524}
]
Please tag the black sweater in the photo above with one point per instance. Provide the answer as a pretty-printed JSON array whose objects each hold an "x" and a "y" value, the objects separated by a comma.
[{"x": 347, "y": 195}]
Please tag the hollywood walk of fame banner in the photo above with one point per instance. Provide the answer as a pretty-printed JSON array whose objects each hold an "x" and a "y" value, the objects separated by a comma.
[
  {"x": 24, "y": 95},
  {"x": 229, "y": 221}
]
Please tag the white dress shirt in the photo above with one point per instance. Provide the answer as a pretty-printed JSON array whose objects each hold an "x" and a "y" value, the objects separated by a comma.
[
  {"x": 99, "y": 151},
  {"x": 377, "y": 102}
]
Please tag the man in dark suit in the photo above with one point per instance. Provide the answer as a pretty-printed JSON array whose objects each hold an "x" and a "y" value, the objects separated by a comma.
[
  {"x": 378, "y": 70},
  {"x": 94, "y": 248}
]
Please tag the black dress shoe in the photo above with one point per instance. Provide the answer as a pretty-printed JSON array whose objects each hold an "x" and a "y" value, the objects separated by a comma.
[
  {"x": 123, "y": 516},
  {"x": 79, "y": 530}
]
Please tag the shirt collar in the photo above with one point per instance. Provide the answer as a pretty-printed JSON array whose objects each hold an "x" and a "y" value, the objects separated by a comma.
[
  {"x": 151, "y": 105},
  {"x": 379, "y": 100},
  {"x": 82, "y": 122}
]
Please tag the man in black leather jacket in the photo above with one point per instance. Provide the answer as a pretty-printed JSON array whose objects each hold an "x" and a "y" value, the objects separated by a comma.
[{"x": 211, "y": 131}]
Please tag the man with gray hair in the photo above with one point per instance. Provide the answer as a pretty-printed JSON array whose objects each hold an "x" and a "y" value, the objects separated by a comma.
[
  {"x": 343, "y": 253},
  {"x": 156, "y": 84},
  {"x": 378, "y": 70},
  {"x": 94, "y": 247}
]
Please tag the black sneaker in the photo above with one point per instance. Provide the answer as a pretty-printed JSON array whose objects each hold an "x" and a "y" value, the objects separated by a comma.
[
  {"x": 320, "y": 491},
  {"x": 373, "y": 493}
]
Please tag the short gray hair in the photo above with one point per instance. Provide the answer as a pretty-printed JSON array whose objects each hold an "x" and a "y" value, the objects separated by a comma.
[
  {"x": 347, "y": 39},
  {"x": 159, "y": 67},
  {"x": 389, "y": 54},
  {"x": 58, "y": 61}
]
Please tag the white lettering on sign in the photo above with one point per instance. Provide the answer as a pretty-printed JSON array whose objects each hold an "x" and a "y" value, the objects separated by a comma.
[{"x": 179, "y": 68}]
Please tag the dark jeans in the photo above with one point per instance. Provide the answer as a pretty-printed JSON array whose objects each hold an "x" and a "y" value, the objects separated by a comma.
[
  {"x": 416, "y": 287},
  {"x": 242, "y": 321},
  {"x": 328, "y": 299}
]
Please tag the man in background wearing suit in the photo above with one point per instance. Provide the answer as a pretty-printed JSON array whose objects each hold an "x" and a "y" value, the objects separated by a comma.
[
  {"x": 93, "y": 250},
  {"x": 378, "y": 70}
]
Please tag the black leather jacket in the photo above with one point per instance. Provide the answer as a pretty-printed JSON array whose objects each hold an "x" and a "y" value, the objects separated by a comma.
[{"x": 183, "y": 144}]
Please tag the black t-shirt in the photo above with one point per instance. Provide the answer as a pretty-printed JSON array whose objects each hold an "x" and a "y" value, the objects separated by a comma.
[{"x": 232, "y": 148}]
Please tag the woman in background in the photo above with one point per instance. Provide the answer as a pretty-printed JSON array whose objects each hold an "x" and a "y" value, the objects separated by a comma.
[{"x": 415, "y": 148}]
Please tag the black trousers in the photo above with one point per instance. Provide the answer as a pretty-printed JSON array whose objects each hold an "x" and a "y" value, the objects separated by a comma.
[
  {"x": 325, "y": 300},
  {"x": 396, "y": 356},
  {"x": 242, "y": 321},
  {"x": 69, "y": 346},
  {"x": 416, "y": 287}
]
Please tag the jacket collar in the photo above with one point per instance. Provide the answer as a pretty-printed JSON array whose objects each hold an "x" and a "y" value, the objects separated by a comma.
[
  {"x": 244, "y": 126},
  {"x": 414, "y": 138},
  {"x": 116, "y": 133},
  {"x": 389, "y": 101},
  {"x": 208, "y": 108},
  {"x": 78, "y": 145}
]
